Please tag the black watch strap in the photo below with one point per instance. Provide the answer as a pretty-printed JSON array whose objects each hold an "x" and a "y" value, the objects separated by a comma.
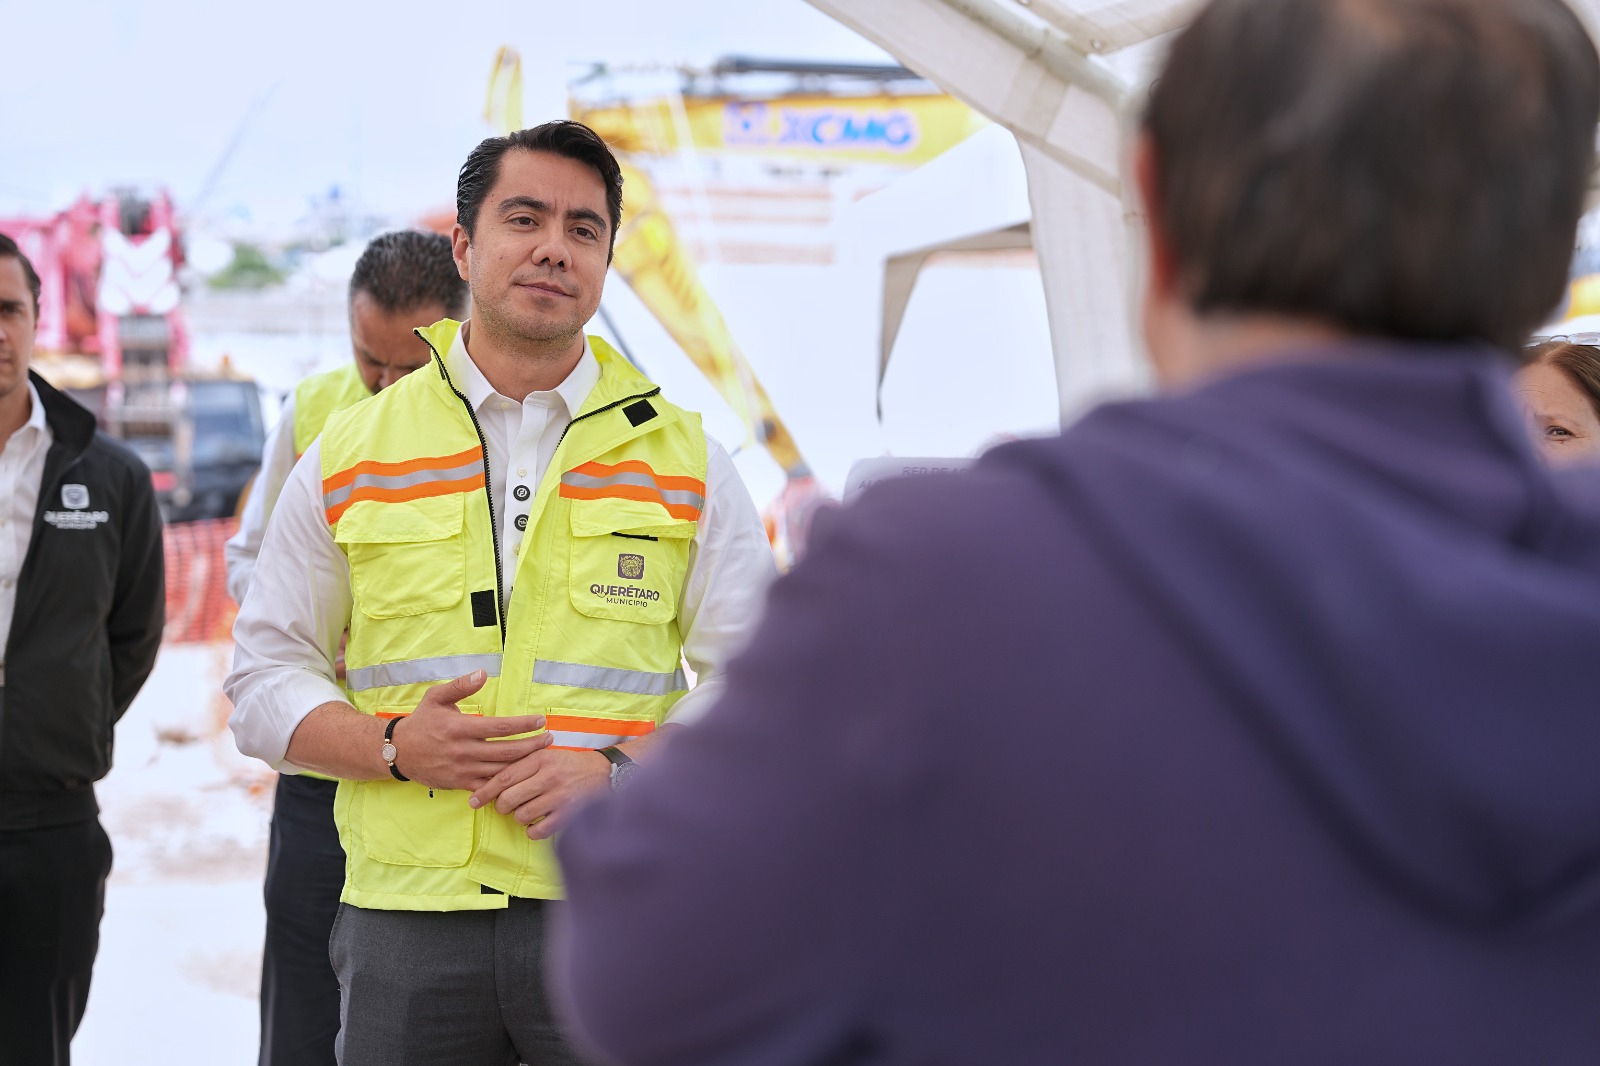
[
  {"x": 621, "y": 765},
  {"x": 388, "y": 738}
]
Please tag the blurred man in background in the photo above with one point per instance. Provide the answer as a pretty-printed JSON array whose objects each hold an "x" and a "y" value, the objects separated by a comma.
[
  {"x": 81, "y": 604},
  {"x": 1251, "y": 725},
  {"x": 402, "y": 281}
]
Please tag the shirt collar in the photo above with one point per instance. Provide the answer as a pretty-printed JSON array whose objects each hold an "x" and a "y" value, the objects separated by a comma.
[
  {"x": 36, "y": 418},
  {"x": 573, "y": 391}
]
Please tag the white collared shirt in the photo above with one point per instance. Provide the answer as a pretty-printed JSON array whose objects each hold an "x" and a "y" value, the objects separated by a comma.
[
  {"x": 292, "y": 621},
  {"x": 21, "y": 469},
  {"x": 521, "y": 437},
  {"x": 277, "y": 459}
]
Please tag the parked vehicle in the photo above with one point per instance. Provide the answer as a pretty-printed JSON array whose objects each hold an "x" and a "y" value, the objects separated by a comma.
[{"x": 201, "y": 438}]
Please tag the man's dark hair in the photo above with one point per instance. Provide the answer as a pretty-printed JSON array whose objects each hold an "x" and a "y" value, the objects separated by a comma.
[
  {"x": 407, "y": 269},
  {"x": 562, "y": 137},
  {"x": 10, "y": 250},
  {"x": 1402, "y": 168}
]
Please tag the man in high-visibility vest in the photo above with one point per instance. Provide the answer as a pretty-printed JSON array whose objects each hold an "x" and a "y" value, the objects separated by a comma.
[
  {"x": 403, "y": 279},
  {"x": 525, "y": 541}
]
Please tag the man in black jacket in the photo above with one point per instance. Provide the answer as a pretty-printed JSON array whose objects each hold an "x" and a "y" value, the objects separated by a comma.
[{"x": 81, "y": 604}]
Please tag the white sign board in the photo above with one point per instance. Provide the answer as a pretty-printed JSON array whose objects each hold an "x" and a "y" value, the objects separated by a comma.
[{"x": 865, "y": 473}]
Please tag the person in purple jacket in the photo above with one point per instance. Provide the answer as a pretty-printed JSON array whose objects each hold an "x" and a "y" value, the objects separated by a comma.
[{"x": 1254, "y": 724}]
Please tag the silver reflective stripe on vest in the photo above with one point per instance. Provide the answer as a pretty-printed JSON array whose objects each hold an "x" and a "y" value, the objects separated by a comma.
[
  {"x": 674, "y": 496},
  {"x": 418, "y": 671},
  {"x": 608, "y": 678},
  {"x": 561, "y": 738},
  {"x": 401, "y": 481}
]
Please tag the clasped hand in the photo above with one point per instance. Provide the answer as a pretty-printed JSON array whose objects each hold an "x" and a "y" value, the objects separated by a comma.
[
  {"x": 442, "y": 747},
  {"x": 525, "y": 777}
]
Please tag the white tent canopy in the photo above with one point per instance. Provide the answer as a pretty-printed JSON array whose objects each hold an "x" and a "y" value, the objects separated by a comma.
[
  {"x": 981, "y": 191},
  {"x": 1063, "y": 76},
  {"x": 1066, "y": 78}
]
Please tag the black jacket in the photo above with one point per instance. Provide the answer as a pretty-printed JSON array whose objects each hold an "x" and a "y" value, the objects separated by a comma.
[{"x": 87, "y": 625}]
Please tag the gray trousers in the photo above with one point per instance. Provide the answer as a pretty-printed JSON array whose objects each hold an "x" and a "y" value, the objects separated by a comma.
[{"x": 463, "y": 988}]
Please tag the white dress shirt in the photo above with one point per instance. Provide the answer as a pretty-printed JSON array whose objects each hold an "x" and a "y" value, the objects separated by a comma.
[
  {"x": 521, "y": 438},
  {"x": 277, "y": 459},
  {"x": 290, "y": 625},
  {"x": 21, "y": 469}
]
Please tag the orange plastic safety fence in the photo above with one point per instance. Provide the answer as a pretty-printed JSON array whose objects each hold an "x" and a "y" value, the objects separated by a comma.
[{"x": 198, "y": 608}]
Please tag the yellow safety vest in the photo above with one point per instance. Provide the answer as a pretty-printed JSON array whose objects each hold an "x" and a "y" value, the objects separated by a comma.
[
  {"x": 320, "y": 396},
  {"x": 316, "y": 399},
  {"x": 591, "y": 639}
]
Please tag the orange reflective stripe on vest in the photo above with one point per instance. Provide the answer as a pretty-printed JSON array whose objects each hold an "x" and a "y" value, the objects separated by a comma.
[
  {"x": 682, "y": 497},
  {"x": 413, "y": 479},
  {"x": 579, "y": 732}
]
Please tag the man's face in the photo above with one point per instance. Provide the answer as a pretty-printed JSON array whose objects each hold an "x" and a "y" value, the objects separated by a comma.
[
  {"x": 538, "y": 259},
  {"x": 386, "y": 350},
  {"x": 18, "y": 326}
]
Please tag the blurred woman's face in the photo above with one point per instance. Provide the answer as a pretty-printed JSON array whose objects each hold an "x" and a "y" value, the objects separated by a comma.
[{"x": 1564, "y": 420}]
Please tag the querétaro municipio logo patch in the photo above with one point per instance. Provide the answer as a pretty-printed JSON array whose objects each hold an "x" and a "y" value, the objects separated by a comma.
[
  {"x": 75, "y": 496},
  {"x": 630, "y": 567}
]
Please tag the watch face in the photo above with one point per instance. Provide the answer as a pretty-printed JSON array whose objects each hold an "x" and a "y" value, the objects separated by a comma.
[{"x": 389, "y": 752}]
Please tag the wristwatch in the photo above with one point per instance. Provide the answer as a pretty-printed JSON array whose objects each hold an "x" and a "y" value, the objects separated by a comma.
[
  {"x": 389, "y": 751},
  {"x": 621, "y": 765}
]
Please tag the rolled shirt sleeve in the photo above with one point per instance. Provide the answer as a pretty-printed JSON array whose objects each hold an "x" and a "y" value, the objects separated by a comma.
[
  {"x": 730, "y": 569},
  {"x": 286, "y": 638}
]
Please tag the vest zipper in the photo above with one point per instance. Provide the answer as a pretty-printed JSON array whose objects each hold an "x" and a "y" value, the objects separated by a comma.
[
  {"x": 488, "y": 495},
  {"x": 488, "y": 484},
  {"x": 598, "y": 411}
]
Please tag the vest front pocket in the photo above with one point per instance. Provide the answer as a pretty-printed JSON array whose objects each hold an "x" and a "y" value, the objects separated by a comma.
[
  {"x": 627, "y": 563},
  {"x": 406, "y": 558},
  {"x": 403, "y": 825}
]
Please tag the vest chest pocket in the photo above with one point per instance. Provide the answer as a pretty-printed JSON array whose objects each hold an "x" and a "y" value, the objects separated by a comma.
[
  {"x": 628, "y": 560},
  {"x": 405, "y": 558}
]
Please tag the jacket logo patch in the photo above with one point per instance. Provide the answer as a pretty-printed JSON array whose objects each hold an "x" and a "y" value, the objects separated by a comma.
[
  {"x": 77, "y": 519},
  {"x": 75, "y": 496},
  {"x": 630, "y": 567}
]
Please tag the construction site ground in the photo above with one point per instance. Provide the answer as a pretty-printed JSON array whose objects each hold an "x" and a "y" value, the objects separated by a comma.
[{"x": 180, "y": 946}]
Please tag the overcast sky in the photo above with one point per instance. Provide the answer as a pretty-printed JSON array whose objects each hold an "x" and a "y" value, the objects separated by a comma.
[{"x": 381, "y": 99}]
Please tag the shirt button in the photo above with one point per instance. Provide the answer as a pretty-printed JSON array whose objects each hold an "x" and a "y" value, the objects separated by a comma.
[
  {"x": 521, "y": 492},
  {"x": 521, "y": 522},
  {"x": 522, "y": 471},
  {"x": 516, "y": 548}
]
